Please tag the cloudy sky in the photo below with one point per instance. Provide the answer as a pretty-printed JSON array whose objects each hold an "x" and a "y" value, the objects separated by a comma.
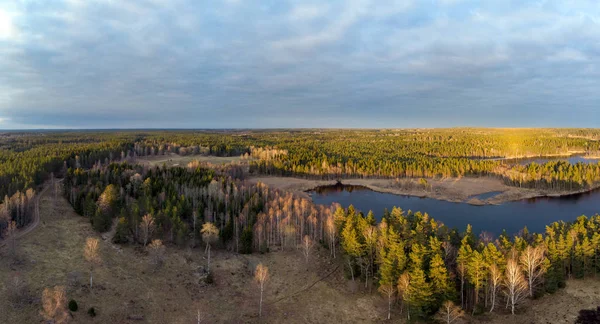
[{"x": 281, "y": 63}]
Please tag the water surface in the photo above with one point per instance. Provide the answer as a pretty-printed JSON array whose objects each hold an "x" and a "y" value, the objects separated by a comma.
[
  {"x": 534, "y": 213},
  {"x": 573, "y": 159}
]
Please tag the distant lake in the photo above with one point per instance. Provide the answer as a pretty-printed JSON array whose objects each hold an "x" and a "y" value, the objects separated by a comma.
[
  {"x": 573, "y": 159},
  {"x": 534, "y": 213}
]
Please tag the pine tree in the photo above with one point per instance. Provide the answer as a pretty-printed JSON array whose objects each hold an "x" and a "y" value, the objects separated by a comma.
[
  {"x": 440, "y": 281},
  {"x": 420, "y": 292},
  {"x": 476, "y": 272},
  {"x": 351, "y": 244}
]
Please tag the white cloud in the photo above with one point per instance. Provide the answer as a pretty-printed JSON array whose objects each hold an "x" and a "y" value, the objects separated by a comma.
[
  {"x": 568, "y": 54},
  {"x": 307, "y": 12},
  {"x": 7, "y": 29},
  {"x": 332, "y": 32}
]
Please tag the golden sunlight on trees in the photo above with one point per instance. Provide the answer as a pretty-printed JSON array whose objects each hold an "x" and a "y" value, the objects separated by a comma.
[
  {"x": 261, "y": 275},
  {"x": 210, "y": 234},
  {"x": 54, "y": 305},
  {"x": 91, "y": 255}
]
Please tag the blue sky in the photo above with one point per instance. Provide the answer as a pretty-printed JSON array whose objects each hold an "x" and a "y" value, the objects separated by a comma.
[{"x": 352, "y": 63}]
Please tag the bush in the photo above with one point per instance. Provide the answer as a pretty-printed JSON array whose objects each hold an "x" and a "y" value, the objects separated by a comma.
[
  {"x": 209, "y": 279},
  {"x": 73, "y": 307},
  {"x": 92, "y": 312},
  {"x": 588, "y": 316}
]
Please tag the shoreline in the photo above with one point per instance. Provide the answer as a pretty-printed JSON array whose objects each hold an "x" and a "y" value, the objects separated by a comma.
[{"x": 458, "y": 190}]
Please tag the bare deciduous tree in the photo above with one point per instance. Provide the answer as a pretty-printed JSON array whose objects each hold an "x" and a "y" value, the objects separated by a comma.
[
  {"x": 495, "y": 281},
  {"x": 147, "y": 228},
  {"x": 261, "y": 275},
  {"x": 515, "y": 284},
  {"x": 17, "y": 290},
  {"x": 11, "y": 237},
  {"x": 307, "y": 246},
  {"x": 404, "y": 290},
  {"x": 91, "y": 255},
  {"x": 532, "y": 260},
  {"x": 54, "y": 305},
  {"x": 156, "y": 249},
  {"x": 449, "y": 313},
  {"x": 332, "y": 233},
  {"x": 210, "y": 234},
  {"x": 389, "y": 290}
]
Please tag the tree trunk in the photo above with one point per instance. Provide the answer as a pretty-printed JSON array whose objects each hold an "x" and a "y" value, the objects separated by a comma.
[
  {"x": 389, "y": 307},
  {"x": 512, "y": 298},
  {"x": 462, "y": 292},
  {"x": 261, "y": 301},
  {"x": 351, "y": 269}
]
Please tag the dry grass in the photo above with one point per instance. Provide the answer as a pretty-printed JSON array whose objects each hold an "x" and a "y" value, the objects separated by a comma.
[
  {"x": 178, "y": 160},
  {"x": 558, "y": 308}
]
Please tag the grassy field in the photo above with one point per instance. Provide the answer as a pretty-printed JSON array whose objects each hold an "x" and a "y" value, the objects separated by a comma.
[
  {"x": 178, "y": 160},
  {"x": 125, "y": 285}
]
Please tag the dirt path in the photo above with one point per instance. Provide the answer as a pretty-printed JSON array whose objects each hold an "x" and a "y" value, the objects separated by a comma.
[{"x": 36, "y": 216}]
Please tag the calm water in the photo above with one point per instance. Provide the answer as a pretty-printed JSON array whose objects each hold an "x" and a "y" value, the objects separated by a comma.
[
  {"x": 512, "y": 216},
  {"x": 573, "y": 159}
]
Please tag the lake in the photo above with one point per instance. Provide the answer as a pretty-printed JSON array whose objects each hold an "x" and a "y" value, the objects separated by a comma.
[
  {"x": 573, "y": 159},
  {"x": 534, "y": 213}
]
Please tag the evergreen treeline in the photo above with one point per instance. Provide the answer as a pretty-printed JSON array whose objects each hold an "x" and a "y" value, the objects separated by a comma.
[
  {"x": 426, "y": 263},
  {"x": 28, "y": 158}
]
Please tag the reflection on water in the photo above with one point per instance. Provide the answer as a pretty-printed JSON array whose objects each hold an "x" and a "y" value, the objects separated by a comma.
[
  {"x": 573, "y": 159},
  {"x": 486, "y": 195},
  {"x": 535, "y": 213}
]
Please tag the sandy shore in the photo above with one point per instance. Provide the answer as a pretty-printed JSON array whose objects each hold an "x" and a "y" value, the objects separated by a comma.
[{"x": 454, "y": 190}]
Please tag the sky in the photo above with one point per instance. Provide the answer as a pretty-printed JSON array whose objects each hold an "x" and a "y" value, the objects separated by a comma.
[{"x": 283, "y": 63}]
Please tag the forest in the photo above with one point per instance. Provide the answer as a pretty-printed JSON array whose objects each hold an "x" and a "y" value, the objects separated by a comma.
[
  {"x": 423, "y": 268},
  {"x": 407, "y": 254}
]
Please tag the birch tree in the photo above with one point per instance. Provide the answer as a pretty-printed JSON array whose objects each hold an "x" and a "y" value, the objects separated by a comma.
[
  {"x": 210, "y": 234},
  {"x": 449, "y": 313},
  {"x": 10, "y": 235},
  {"x": 495, "y": 280},
  {"x": 532, "y": 261},
  {"x": 54, "y": 305},
  {"x": 388, "y": 289},
  {"x": 514, "y": 284},
  {"x": 91, "y": 255},
  {"x": 156, "y": 250},
  {"x": 261, "y": 275},
  {"x": 147, "y": 228},
  {"x": 307, "y": 246}
]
